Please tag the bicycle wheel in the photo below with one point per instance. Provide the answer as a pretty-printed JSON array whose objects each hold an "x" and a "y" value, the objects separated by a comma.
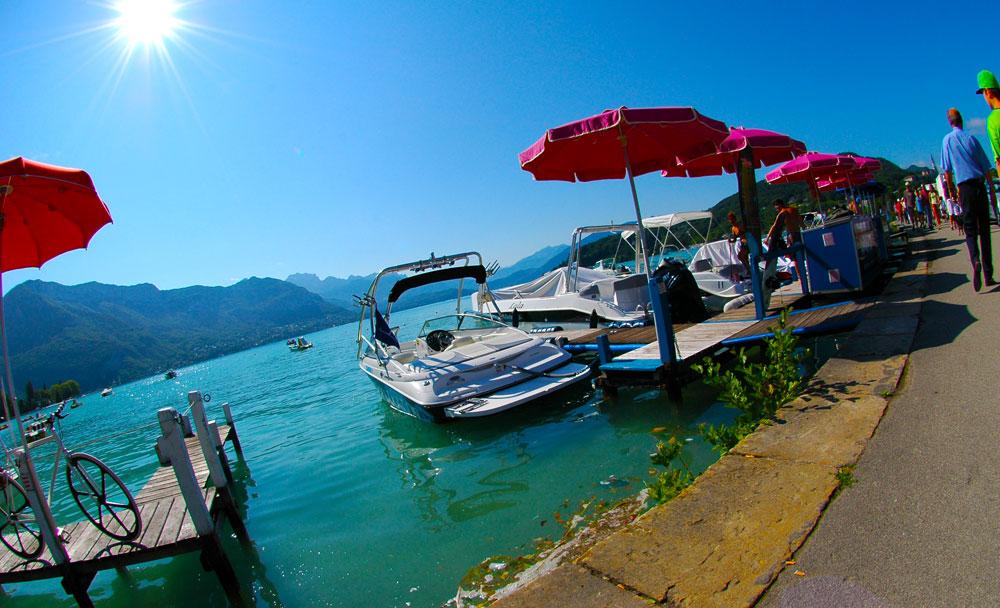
[
  {"x": 103, "y": 497},
  {"x": 18, "y": 529}
]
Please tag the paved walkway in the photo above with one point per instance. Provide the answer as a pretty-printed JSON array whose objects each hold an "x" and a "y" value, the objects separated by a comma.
[{"x": 920, "y": 527}]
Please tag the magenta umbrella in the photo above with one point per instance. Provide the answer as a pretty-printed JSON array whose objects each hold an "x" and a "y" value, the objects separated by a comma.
[
  {"x": 623, "y": 143},
  {"x": 848, "y": 177},
  {"x": 768, "y": 148},
  {"x": 848, "y": 180},
  {"x": 811, "y": 167}
]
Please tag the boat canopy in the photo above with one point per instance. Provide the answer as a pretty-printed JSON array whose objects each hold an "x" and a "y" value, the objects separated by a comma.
[
  {"x": 436, "y": 276},
  {"x": 672, "y": 219},
  {"x": 555, "y": 283}
]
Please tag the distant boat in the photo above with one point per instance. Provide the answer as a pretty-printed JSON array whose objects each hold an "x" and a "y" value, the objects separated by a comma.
[
  {"x": 107, "y": 392},
  {"x": 75, "y": 403},
  {"x": 298, "y": 344},
  {"x": 170, "y": 374}
]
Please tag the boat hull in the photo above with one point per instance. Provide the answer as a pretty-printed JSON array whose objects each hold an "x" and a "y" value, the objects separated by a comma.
[{"x": 532, "y": 388}]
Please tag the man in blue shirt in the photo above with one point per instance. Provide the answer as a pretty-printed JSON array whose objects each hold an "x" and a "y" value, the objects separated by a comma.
[{"x": 964, "y": 163}]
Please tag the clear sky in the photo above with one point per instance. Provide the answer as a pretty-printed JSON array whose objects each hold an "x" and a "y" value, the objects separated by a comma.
[{"x": 263, "y": 138}]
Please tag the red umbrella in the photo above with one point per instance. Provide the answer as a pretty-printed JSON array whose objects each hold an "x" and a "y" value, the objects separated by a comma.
[
  {"x": 768, "y": 148},
  {"x": 45, "y": 210},
  {"x": 623, "y": 142}
]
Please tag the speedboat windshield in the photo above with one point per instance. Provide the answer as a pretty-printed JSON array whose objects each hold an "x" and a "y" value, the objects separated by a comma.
[{"x": 458, "y": 322}]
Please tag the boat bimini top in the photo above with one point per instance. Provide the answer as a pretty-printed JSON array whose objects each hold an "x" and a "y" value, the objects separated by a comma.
[{"x": 459, "y": 266}]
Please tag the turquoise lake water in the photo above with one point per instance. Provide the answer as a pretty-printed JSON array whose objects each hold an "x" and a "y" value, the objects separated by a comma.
[{"x": 349, "y": 503}]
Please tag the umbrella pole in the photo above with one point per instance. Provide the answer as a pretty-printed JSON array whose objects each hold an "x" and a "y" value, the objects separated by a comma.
[
  {"x": 815, "y": 191},
  {"x": 635, "y": 201}
]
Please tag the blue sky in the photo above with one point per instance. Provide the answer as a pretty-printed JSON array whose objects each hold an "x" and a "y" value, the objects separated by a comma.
[{"x": 338, "y": 138}]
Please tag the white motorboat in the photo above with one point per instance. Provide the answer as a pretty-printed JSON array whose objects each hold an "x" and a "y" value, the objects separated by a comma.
[
  {"x": 616, "y": 290},
  {"x": 610, "y": 293},
  {"x": 462, "y": 365},
  {"x": 723, "y": 279},
  {"x": 107, "y": 392}
]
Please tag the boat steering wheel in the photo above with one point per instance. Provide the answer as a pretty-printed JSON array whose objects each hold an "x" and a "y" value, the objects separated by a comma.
[{"x": 439, "y": 339}]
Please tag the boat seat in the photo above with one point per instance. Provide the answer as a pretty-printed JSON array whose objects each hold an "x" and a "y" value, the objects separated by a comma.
[
  {"x": 404, "y": 357},
  {"x": 702, "y": 265}
]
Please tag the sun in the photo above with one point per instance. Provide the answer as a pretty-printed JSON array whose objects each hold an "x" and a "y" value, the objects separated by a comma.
[{"x": 146, "y": 22}]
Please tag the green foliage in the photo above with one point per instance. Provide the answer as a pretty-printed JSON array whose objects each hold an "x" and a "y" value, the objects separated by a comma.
[
  {"x": 756, "y": 389},
  {"x": 671, "y": 482},
  {"x": 845, "y": 479}
]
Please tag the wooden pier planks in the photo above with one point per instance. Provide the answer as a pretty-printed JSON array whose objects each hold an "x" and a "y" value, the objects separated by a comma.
[{"x": 167, "y": 529}]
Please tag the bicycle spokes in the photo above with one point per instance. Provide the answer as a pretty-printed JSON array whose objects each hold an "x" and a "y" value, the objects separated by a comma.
[
  {"x": 18, "y": 529},
  {"x": 103, "y": 497}
]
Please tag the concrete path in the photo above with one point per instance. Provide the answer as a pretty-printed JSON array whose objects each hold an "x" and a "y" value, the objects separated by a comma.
[{"x": 920, "y": 527}]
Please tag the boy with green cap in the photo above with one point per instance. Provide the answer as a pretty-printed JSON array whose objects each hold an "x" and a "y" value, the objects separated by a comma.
[{"x": 990, "y": 90}]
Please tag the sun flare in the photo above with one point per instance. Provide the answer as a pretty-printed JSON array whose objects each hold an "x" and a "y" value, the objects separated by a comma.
[{"x": 146, "y": 22}]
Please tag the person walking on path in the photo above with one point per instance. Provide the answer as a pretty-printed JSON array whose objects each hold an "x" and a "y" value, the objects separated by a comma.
[
  {"x": 909, "y": 202},
  {"x": 964, "y": 164}
]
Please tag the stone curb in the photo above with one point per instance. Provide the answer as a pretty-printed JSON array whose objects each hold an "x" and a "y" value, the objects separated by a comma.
[{"x": 724, "y": 540}]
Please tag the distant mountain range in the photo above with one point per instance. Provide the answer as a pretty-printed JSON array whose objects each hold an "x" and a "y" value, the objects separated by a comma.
[{"x": 101, "y": 334}]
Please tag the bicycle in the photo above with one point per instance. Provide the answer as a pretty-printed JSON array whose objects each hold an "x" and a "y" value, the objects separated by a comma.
[{"x": 95, "y": 488}]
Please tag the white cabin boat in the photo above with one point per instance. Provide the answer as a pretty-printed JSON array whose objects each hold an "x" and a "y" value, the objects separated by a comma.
[{"x": 458, "y": 366}]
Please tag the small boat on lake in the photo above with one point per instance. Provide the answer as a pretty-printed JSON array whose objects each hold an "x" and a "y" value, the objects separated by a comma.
[
  {"x": 298, "y": 344},
  {"x": 462, "y": 365},
  {"x": 169, "y": 375},
  {"x": 75, "y": 404},
  {"x": 107, "y": 392}
]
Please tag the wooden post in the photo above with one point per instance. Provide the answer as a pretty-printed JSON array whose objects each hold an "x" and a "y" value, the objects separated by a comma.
[
  {"x": 232, "y": 430},
  {"x": 216, "y": 471},
  {"x": 750, "y": 216},
  {"x": 172, "y": 448}
]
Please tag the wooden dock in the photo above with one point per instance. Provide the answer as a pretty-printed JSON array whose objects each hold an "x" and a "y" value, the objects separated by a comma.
[
  {"x": 182, "y": 508},
  {"x": 635, "y": 354}
]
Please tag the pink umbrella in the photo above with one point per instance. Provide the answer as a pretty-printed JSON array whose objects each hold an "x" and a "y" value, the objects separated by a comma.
[
  {"x": 623, "y": 143},
  {"x": 811, "y": 167},
  {"x": 768, "y": 148},
  {"x": 848, "y": 180},
  {"x": 863, "y": 163}
]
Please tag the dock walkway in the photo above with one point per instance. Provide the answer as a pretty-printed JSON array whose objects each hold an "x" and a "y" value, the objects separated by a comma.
[{"x": 172, "y": 523}]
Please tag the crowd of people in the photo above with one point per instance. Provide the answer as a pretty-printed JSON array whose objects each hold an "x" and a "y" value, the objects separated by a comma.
[{"x": 925, "y": 207}]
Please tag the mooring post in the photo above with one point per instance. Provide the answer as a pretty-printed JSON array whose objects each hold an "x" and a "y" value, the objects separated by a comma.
[
  {"x": 660, "y": 304},
  {"x": 172, "y": 449},
  {"x": 604, "y": 348},
  {"x": 215, "y": 469},
  {"x": 232, "y": 430},
  {"x": 170, "y": 446}
]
